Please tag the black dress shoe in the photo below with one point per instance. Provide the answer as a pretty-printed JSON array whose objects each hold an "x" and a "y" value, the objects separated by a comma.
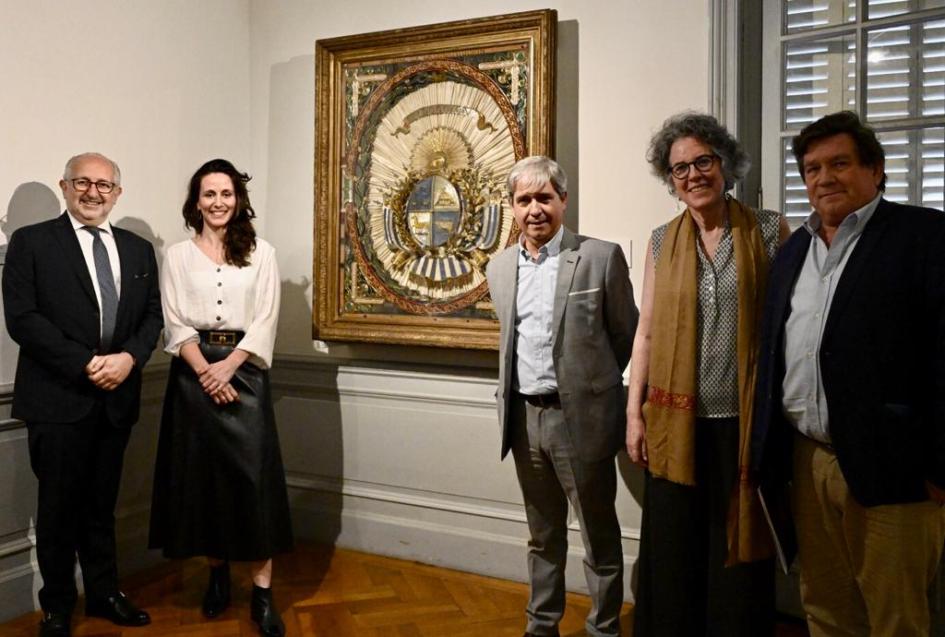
[
  {"x": 528, "y": 634},
  {"x": 217, "y": 598},
  {"x": 264, "y": 613},
  {"x": 117, "y": 609},
  {"x": 54, "y": 625}
]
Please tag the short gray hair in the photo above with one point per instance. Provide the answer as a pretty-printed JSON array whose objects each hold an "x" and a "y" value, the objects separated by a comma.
[
  {"x": 536, "y": 170},
  {"x": 708, "y": 130},
  {"x": 67, "y": 171}
]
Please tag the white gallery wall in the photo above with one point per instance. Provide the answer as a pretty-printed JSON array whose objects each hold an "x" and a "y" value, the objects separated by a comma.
[{"x": 388, "y": 449}]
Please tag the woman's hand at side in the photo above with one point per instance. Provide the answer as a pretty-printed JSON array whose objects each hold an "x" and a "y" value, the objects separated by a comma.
[
  {"x": 640, "y": 368},
  {"x": 636, "y": 441}
]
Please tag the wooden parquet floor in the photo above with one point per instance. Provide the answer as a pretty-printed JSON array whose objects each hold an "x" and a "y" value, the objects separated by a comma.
[{"x": 326, "y": 592}]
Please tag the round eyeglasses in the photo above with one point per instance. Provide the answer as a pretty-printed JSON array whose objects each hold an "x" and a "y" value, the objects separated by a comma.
[
  {"x": 703, "y": 164},
  {"x": 82, "y": 184}
]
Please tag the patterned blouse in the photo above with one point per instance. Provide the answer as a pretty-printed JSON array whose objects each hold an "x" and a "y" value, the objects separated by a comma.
[{"x": 717, "y": 331}]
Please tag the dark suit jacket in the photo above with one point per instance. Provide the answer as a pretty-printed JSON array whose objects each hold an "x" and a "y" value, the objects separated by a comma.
[
  {"x": 52, "y": 313},
  {"x": 593, "y": 324},
  {"x": 882, "y": 359}
]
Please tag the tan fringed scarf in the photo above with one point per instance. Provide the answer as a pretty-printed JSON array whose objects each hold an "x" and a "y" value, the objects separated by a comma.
[{"x": 669, "y": 410}]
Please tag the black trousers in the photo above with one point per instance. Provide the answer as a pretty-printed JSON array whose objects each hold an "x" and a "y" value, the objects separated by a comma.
[
  {"x": 78, "y": 466},
  {"x": 684, "y": 589}
]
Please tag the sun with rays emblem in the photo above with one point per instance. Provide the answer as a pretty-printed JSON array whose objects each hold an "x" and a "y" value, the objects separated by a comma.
[{"x": 429, "y": 154}]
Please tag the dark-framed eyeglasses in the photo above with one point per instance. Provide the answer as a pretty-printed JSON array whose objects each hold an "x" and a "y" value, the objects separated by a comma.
[
  {"x": 82, "y": 184},
  {"x": 703, "y": 164}
]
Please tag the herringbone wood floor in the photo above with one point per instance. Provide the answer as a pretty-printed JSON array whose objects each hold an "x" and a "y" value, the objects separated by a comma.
[{"x": 325, "y": 592}]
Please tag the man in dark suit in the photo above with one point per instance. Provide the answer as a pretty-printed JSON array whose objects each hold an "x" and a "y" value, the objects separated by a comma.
[
  {"x": 851, "y": 389},
  {"x": 81, "y": 299},
  {"x": 567, "y": 320}
]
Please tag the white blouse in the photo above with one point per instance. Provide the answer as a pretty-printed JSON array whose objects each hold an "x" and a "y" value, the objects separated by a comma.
[{"x": 198, "y": 294}]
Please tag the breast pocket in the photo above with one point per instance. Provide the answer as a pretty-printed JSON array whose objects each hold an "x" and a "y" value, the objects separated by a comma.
[{"x": 583, "y": 306}]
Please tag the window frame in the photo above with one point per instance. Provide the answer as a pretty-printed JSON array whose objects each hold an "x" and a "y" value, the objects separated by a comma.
[{"x": 774, "y": 39}]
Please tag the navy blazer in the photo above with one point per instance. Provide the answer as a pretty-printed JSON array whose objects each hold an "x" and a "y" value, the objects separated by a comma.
[
  {"x": 52, "y": 313},
  {"x": 882, "y": 359}
]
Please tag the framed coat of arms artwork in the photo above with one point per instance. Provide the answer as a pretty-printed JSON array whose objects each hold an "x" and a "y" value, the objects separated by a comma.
[{"x": 416, "y": 131}]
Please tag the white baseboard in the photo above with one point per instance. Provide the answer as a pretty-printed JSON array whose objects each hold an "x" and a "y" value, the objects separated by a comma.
[{"x": 438, "y": 537}]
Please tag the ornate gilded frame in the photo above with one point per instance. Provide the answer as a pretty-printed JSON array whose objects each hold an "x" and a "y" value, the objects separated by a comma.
[{"x": 416, "y": 130}]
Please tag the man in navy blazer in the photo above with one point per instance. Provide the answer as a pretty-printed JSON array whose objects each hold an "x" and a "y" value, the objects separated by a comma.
[
  {"x": 851, "y": 389},
  {"x": 81, "y": 299}
]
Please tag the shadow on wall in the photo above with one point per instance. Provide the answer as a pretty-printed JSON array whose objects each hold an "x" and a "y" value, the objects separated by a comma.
[
  {"x": 31, "y": 202},
  {"x": 141, "y": 228},
  {"x": 567, "y": 148},
  {"x": 308, "y": 415}
]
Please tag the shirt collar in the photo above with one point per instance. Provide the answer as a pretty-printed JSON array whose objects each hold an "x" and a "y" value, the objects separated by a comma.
[
  {"x": 78, "y": 225},
  {"x": 552, "y": 248},
  {"x": 856, "y": 220}
]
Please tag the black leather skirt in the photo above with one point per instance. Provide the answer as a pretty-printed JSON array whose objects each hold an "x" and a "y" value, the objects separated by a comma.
[{"x": 219, "y": 483}]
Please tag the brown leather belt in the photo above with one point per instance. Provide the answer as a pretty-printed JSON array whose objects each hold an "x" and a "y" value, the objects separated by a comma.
[{"x": 542, "y": 400}]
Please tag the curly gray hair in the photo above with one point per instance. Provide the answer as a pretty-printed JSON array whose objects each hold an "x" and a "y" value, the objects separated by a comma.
[{"x": 708, "y": 130}]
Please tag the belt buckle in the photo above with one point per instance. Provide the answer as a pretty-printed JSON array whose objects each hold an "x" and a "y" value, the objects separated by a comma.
[
  {"x": 546, "y": 401},
  {"x": 222, "y": 338}
]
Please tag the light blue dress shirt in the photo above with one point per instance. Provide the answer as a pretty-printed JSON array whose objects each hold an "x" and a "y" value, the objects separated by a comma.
[
  {"x": 804, "y": 402},
  {"x": 534, "y": 308}
]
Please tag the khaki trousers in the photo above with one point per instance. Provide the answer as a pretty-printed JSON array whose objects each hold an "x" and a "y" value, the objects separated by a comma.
[{"x": 865, "y": 571}]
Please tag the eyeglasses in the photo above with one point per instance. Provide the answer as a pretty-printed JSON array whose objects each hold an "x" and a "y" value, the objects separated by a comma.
[
  {"x": 703, "y": 164},
  {"x": 82, "y": 184}
]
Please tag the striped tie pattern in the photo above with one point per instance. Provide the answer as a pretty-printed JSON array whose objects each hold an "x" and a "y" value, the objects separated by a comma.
[{"x": 106, "y": 286}]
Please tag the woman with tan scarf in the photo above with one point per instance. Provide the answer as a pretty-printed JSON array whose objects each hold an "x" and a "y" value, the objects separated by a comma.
[{"x": 704, "y": 564}]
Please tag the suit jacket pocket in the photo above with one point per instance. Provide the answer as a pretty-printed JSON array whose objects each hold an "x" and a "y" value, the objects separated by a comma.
[
  {"x": 583, "y": 309},
  {"x": 605, "y": 381}
]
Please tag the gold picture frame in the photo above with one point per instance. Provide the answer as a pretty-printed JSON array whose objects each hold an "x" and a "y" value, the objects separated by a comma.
[{"x": 416, "y": 130}]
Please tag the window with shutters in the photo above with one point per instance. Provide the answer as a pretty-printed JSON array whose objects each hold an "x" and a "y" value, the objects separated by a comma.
[{"x": 884, "y": 59}]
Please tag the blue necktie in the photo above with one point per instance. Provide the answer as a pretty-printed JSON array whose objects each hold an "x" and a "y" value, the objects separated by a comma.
[{"x": 106, "y": 286}]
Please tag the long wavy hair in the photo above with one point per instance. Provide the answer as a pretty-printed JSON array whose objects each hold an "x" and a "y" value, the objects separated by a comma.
[{"x": 239, "y": 240}]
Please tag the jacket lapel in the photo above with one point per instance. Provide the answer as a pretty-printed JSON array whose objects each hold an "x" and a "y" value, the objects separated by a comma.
[
  {"x": 504, "y": 296},
  {"x": 859, "y": 259},
  {"x": 567, "y": 263},
  {"x": 127, "y": 273},
  {"x": 72, "y": 251},
  {"x": 795, "y": 252}
]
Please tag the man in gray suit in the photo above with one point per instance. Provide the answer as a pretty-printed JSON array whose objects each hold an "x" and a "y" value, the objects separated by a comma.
[{"x": 567, "y": 319}]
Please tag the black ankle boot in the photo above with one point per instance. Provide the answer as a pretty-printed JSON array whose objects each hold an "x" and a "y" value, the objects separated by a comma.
[
  {"x": 264, "y": 613},
  {"x": 217, "y": 598}
]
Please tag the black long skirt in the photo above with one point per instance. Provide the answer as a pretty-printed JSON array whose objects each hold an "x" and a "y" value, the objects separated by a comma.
[
  {"x": 219, "y": 484},
  {"x": 684, "y": 588}
]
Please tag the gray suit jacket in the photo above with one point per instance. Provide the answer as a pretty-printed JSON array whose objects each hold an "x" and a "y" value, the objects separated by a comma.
[{"x": 594, "y": 321}]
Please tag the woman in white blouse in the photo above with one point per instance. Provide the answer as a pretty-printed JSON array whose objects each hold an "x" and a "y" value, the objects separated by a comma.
[{"x": 219, "y": 485}]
